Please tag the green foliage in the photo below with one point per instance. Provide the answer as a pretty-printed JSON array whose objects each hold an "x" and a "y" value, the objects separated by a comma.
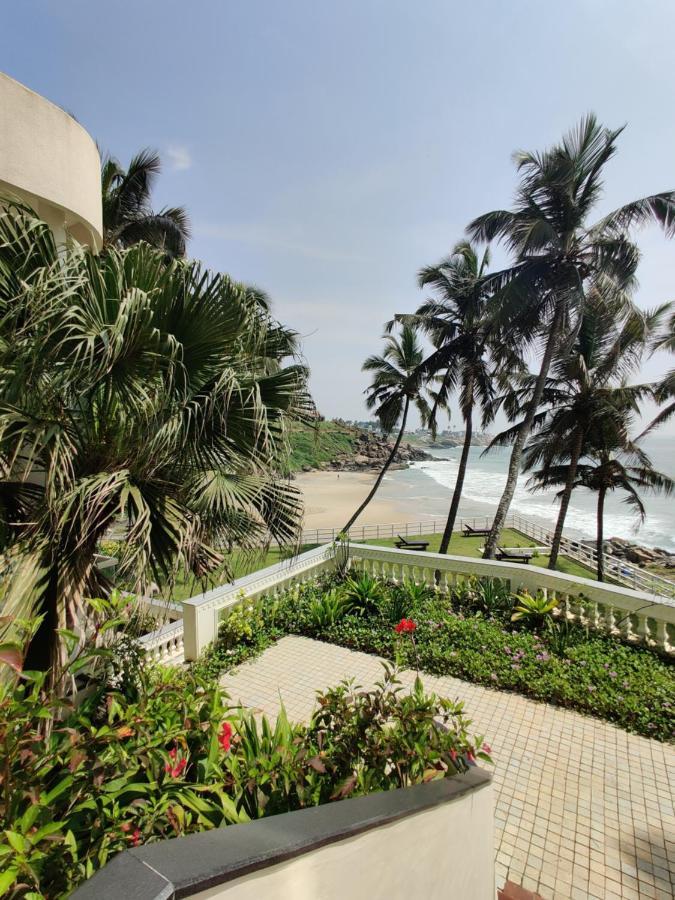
[
  {"x": 168, "y": 758},
  {"x": 364, "y": 593},
  {"x": 468, "y": 634},
  {"x": 329, "y": 607},
  {"x": 533, "y": 611}
]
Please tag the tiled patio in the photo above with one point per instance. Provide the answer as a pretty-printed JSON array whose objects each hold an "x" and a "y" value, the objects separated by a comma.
[{"x": 583, "y": 809}]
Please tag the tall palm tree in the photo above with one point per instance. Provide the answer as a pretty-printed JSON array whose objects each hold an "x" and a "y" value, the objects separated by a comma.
[
  {"x": 468, "y": 359},
  {"x": 611, "y": 469},
  {"x": 559, "y": 256},
  {"x": 149, "y": 395},
  {"x": 127, "y": 214},
  {"x": 586, "y": 396},
  {"x": 665, "y": 389},
  {"x": 397, "y": 382}
]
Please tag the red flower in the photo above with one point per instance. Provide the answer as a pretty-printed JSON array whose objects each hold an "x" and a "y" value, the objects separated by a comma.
[
  {"x": 173, "y": 768},
  {"x": 453, "y": 755},
  {"x": 225, "y": 736},
  {"x": 487, "y": 749},
  {"x": 405, "y": 626},
  {"x": 135, "y": 838},
  {"x": 470, "y": 758}
]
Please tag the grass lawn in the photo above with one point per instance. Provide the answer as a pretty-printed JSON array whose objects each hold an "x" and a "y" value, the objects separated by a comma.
[
  {"x": 471, "y": 546},
  {"x": 244, "y": 564}
]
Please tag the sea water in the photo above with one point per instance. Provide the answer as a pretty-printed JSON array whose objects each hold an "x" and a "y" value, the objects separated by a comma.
[{"x": 426, "y": 487}]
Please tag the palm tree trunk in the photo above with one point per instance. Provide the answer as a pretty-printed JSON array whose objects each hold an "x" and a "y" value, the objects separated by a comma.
[
  {"x": 565, "y": 499},
  {"x": 600, "y": 536},
  {"x": 389, "y": 461},
  {"x": 459, "y": 484},
  {"x": 523, "y": 434}
]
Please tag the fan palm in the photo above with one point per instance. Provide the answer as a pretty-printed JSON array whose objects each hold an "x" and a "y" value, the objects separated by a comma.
[
  {"x": 150, "y": 395},
  {"x": 468, "y": 359},
  {"x": 626, "y": 469},
  {"x": 586, "y": 398},
  {"x": 397, "y": 382},
  {"x": 127, "y": 214},
  {"x": 559, "y": 256}
]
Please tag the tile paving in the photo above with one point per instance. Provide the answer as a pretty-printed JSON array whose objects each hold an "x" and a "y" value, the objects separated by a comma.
[{"x": 582, "y": 808}]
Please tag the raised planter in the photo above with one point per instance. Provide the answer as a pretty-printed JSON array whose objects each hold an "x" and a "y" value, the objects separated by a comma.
[{"x": 432, "y": 840}]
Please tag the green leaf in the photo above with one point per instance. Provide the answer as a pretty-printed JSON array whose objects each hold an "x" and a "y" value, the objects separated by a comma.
[{"x": 7, "y": 879}]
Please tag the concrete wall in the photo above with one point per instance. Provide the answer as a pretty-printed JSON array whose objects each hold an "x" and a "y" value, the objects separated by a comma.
[
  {"x": 443, "y": 852},
  {"x": 426, "y": 842},
  {"x": 50, "y": 162}
]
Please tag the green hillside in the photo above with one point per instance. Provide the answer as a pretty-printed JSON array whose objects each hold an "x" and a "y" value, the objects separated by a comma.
[{"x": 321, "y": 443}]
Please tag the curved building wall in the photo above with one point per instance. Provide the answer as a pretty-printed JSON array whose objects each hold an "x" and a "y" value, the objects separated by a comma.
[{"x": 49, "y": 161}]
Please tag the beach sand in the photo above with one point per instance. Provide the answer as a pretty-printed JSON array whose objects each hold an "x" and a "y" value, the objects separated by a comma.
[{"x": 330, "y": 501}]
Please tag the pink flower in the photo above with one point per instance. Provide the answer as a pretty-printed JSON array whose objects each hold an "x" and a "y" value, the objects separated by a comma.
[
  {"x": 453, "y": 755},
  {"x": 470, "y": 758},
  {"x": 487, "y": 749}
]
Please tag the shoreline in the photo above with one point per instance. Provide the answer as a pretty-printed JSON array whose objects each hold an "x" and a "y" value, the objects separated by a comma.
[{"x": 331, "y": 498}]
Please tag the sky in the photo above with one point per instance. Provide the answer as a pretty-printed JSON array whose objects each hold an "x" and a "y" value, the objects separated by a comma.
[{"x": 327, "y": 151}]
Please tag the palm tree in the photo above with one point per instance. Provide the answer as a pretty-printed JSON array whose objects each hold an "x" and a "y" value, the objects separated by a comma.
[
  {"x": 611, "y": 469},
  {"x": 665, "y": 390},
  {"x": 149, "y": 395},
  {"x": 469, "y": 358},
  {"x": 397, "y": 382},
  {"x": 127, "y": 214},
  {"x": 560, "y": 256},
  {"x": 586, "y": 396}
]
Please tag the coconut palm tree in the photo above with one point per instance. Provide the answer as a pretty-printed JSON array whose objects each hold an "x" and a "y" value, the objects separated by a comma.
[
  {"x": 397, "y": 382},
  {"x": 607, "y": 470},
  {"x": 127, "y": 214},
  {"x": 559, "y": 256},
  {"x": 586, "y": 396},
  {"x": 148, "y": 395},
  {"x": 665, "y": 389},
  {"x": 468, "y": 359}
]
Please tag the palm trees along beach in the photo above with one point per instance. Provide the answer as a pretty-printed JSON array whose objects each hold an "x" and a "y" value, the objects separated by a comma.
[{"x": 559, "y": 256}]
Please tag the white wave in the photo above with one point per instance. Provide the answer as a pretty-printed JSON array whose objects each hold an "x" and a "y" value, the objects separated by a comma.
[{"x": 482, "y": 485}]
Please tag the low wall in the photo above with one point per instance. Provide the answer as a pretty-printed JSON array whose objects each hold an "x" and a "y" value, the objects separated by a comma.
[{"x": 433, "y": 841}]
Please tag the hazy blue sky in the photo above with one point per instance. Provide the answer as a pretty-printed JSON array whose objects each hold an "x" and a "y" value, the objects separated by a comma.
[{"x": 326, "y": 151}]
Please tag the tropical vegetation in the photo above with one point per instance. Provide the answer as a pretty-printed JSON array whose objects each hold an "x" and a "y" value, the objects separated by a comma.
[
  {"x": 128, "y": 217},
  {"x": 148, "y": 395},
  {"x": 478, "y": 631},
  {"x": 156, "y": 752}
]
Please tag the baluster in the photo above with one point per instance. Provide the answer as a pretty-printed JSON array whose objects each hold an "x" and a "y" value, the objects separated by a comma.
[
  {"x": 609, "y": 620},
  {"x": 642, "y": 628},
  {"x": 661, "y": 635}
]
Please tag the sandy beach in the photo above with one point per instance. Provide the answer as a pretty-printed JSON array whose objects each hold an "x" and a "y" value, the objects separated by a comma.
[{"x": 329, "y": 500}]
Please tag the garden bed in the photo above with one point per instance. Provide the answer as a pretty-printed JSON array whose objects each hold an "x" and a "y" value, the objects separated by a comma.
[{"x": 468, "y": 634}]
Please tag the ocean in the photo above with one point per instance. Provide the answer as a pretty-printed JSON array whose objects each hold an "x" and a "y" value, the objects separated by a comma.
[{"x": 427, "y": 487}]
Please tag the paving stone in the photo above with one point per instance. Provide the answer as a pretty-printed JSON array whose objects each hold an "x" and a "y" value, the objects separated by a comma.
[{"x": 583, "y": 807}]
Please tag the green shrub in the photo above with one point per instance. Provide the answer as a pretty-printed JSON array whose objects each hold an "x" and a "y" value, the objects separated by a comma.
[
  {"x": 328, "y": 608},
  {"x": 364, "y": 593},
  {"x": 81, "y": 784}
]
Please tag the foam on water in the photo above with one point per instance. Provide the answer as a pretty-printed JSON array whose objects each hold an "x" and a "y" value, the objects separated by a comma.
[{"x": 485, "y": 480}]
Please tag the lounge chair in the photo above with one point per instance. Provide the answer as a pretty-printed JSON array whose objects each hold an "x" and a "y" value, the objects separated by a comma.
[
  {"x": 504, "y": 555},
  {"x": 403, "y": 544},
  {"x": 475, "y": 532}
]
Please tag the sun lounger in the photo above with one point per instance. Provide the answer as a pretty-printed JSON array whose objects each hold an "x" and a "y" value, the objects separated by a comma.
[
  {"x": 403, "y": 544},
  {"x": 475, "y": 532},
  {"x": 514, "y": 556}
]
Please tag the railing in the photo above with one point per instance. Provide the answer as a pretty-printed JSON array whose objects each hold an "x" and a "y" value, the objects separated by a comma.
[
  {"x": 202, "y": 613},
  {"x": 165, "y": 645},
  {"x": 632, "y": 615},
  {"x": 616, "y": 569}
]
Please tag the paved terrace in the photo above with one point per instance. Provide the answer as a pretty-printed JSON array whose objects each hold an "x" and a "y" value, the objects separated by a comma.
[{"x": 583, "y": 809}]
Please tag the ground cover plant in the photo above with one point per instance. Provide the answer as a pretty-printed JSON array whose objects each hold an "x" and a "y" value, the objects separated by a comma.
[
  {"x": 480, "y": 632},
  {"x": 154, "y": 753}
]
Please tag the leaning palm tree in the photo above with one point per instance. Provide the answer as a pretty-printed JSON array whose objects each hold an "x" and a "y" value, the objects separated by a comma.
[
  {"x": 149, "y": 396},
  {"x": 127, "y": 214},
  {"x": 586, "y": 395},
  {"x": 397, "y": 382},
  {"x": 469, "y": 359},
  {"x": 559, "y": 256},
  {"x": 607, "y": 470}
]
